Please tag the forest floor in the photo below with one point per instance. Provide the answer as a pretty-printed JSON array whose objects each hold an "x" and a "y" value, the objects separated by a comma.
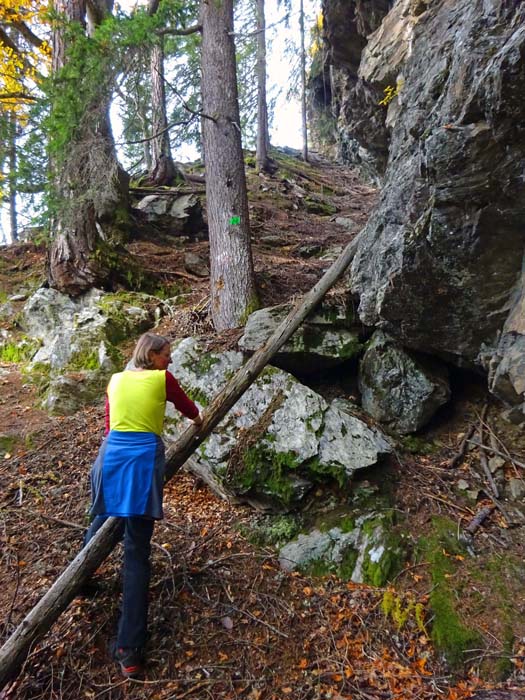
[{"x": 226, "y": 622}]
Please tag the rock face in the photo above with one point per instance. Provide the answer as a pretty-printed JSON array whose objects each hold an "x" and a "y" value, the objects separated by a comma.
[
  {"x": 328, "y": 337},
  {"x": 279, "y": 438},
  {"x": 399, "y": 390},
  {"x": 439, "y": 265},
  {"x": 362, "y": 134}
]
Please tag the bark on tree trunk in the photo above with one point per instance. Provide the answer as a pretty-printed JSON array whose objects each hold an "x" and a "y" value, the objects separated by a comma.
[
  {"x": 163, "y": 170},
  {"x": 303, "y": 84},
  {"x": 13, "y": 214},
  {"x": 233, "y": 293},
  {"x": 263, "y": 139},
  {"x": 92, "y": 187},
  {"x": 58, "y": 597}
]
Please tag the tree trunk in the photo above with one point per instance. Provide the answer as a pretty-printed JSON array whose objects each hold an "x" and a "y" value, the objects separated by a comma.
[
  {"x": 13, "y": 214},
  {"x": 303, "y": 84},
  {"x": 92, "y": 188},
  {"x": 263, "y": 139},
  {"x": 58, "y": 597},
  {"x": 233, "y": 294},
  {"x": 163, "y": 170}
]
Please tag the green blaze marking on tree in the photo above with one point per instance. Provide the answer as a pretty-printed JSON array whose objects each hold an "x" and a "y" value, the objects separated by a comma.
[{"x": 235, "y": 220}]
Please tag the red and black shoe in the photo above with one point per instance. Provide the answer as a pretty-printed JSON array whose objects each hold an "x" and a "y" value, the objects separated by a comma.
[{"x": 130, "y": 660}]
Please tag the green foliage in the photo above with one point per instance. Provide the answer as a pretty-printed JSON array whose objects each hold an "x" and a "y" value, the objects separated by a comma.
[
  {"x": 79, "y": 95},
  {"x": 322, "y": 567},
  {"x": 320, "y": 471},
  {"x": 18, "y": 351},
  {"x": 6, "y": 443},
  {"x": 418, "y": 445},
  {"x": 264, "y": 469},
  {"x": 39, "y": 375},
  {"x": 382, "y": 567},
  {"x": 182, "y": 76},
  {"x": 403, "y": 608},
  {"x": 85, "y": 360},
  {"x": 251, "y": 306}
]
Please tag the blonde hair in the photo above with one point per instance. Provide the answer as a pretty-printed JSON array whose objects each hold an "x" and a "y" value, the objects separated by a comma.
[{"x": 148, "y": 342}]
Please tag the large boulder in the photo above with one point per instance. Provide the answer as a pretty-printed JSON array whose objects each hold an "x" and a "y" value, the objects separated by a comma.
[
  {"x": 279, "y": 438},
  {"x": 176, "y": 215},
  {"x": 506, "y": 361},
  {"x": 79, "y": 341},
  {"x": 398, "y": 389},
  {"x": 439, "y": 262},
  {"x": 328, "y": 337}
]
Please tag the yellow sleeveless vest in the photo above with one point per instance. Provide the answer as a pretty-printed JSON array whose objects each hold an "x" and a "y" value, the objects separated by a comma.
[{"x": 137, "y": 401}]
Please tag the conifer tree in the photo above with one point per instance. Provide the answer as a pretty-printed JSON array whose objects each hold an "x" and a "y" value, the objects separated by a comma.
[
  {"x": 92, "y": 188},
  {"x": 263, "y": 138},
  {"x": 22, "y": 56},
  {"x": 233, "y": 294}
]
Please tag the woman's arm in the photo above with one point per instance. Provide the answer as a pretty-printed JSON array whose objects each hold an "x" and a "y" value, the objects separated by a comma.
[{"x": 181, "y": 401}]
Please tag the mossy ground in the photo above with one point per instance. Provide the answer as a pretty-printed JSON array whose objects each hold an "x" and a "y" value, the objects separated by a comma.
[{"x": 448, "y": 631}]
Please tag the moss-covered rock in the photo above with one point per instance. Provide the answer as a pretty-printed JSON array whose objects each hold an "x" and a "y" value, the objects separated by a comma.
[
  {"x": 278, "y": 440},
  {"x": 328, "y": 337},
  {"x": 79, "y": 341},
  {"x": 368, "y": 552}
]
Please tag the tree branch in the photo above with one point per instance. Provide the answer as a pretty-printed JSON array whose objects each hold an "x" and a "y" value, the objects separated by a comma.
[
  {"x": 185, "y": 104},
  {"x": 17, "y": 96},
  {"x": 159, "y": 133},
  {"x": 7, "y": 41},
  {"x": 180, "y": 32},
  {"x": 28, "y": 35}
]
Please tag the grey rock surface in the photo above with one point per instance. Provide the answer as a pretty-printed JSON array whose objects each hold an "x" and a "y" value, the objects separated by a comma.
[
  {"x": 279, "y": 438},
  {"x": 398, "y": 389},
  {"x": 440, "y": 261},
  {"x": 328, "y": 337}
]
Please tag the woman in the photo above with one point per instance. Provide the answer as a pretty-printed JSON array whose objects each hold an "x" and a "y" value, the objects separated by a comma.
[{"x": 128, "y": 476}]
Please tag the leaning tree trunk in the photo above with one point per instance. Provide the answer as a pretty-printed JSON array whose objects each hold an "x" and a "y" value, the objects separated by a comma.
[
  {"x": 233, "y": 294},
  {"x": 58, "y": 597},
  {"x": 263, "y": 139},
  {"x": 91, "y": 187},
  {"x": 163, "y": 170}
]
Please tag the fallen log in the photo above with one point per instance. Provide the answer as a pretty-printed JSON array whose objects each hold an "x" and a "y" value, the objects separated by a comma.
[{"x": 66, "y": 587}]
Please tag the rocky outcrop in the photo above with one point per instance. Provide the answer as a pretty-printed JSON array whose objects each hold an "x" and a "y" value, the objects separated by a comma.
[
  {"x": 176, "y": 216},
  {"x": 278, "y": 440},
  {"x": 79, "y": 341},
  {"x": 368, "y": 552},
  {"x": 362, "y": 134},
  {"x": 439, "y": 265}
]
